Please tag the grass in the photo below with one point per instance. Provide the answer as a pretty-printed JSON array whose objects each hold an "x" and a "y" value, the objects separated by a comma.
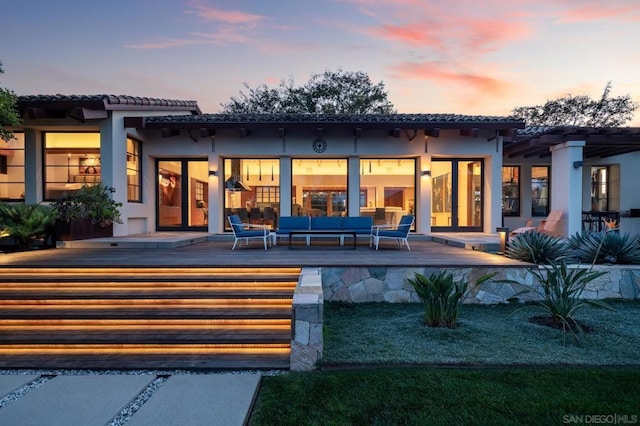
[
  {"x": 497, "y": 334},
  {"x": 495, "y": 368},
  {"x": 428, "y": 396}
]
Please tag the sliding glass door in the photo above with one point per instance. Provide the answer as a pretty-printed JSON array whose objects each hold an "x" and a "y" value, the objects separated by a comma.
[
  {"x": 456, "y": 195},
  {"x": 182, "y": 195}
]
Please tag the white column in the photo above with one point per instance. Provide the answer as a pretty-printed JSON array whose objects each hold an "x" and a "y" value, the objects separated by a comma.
[
  {"x": 423, "y": 196},
  {"x": 33, "y": 170},
  {"x": 113, "y": 161},
  {"x": 285, "y": 186},
  {"x": 216, "y": 196},
  {"x": 566, "y": 184},
  {"x": 353, "y": 186}
]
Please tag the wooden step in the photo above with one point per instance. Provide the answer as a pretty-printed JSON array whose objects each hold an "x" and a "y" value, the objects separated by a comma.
[
  {"x": 145, "y": 356},
  {"x": 146, "y": 317},
  {"x": 146, "y": 289},
  {"x": 144, "y": 331}
]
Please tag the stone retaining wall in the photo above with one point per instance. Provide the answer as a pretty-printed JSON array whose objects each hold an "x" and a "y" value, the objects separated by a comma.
[{"x": 359, "y": 285}]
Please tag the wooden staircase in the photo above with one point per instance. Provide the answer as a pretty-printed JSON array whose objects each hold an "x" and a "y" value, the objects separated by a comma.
[{"x": 130, "y": 318}]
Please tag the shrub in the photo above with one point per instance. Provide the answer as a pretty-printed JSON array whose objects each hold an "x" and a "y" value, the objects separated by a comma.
[
  {"x": 26, "y": 223},
  {"x": 561, "y": 291},
  {"x": 91, "y": 202},
  {"x": 605, "y": 247},
  {"x": 441, "y": 296},
  {"x": 536, "y": 247}
]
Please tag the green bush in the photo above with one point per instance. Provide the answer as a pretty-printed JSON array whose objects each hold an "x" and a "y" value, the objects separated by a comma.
[
  {"x": 605, "y": 247},
  {"x": 536, "y": 247},
  {"x": 93, "y": 202},
  {"x": 26, "y": 223},
  {"x": 441, "y": 296}
]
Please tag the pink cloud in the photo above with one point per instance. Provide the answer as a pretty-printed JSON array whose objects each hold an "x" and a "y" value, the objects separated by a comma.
[
  {"x": 437, "y": 74},
  {"x": 600, "y": 11},
  {"x": 162, "y": 43},
  {"x": 231, "y": 17}
]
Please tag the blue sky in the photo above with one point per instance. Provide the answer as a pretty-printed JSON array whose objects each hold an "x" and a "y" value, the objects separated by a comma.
[{"x": 454, "y": 56}]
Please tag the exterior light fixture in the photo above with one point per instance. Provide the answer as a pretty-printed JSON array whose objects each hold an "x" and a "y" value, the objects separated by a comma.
[
  {"x": 426, "y": 173},
  {"x": 577, "y": 164},
  {"x": 213, "y": 173},
  {"x": 503, "y": 233}
]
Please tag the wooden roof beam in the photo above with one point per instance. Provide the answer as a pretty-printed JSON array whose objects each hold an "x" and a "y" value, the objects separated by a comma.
[
  {"x": 167, "y": 132},
  {"x": 82, "y": 114},
  {"x": 433, "y": 132},
  {"x": 471, "y": 133}
]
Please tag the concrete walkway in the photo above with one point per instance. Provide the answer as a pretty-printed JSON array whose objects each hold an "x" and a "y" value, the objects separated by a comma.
[{"x": 132, "y": 399}]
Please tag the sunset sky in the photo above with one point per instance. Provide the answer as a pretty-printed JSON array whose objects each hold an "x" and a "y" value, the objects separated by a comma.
[{"x": 434, "y": 56}]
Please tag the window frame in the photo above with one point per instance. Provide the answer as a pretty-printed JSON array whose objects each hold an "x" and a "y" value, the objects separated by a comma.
[
  {"x": 507, "y": 186},
  {"x": 135, "y": 153}
]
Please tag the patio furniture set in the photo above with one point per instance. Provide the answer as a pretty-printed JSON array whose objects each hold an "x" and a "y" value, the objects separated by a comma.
[{"x": 325, "y": 226}]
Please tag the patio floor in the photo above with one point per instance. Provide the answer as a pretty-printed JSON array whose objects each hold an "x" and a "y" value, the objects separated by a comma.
[{"x": 201, "y": 249}]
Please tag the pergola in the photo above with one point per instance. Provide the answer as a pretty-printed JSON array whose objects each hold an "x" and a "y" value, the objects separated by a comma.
[{"x": 600, "y": 142}]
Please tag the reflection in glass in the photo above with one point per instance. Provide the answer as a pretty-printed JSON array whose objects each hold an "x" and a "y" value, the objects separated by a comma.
[
  {"x": 387, "y": 188},
  {"x": 319, "y": 187}
]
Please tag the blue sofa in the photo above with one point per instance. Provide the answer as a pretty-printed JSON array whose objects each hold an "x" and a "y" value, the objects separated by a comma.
[{"x": 361, "y": 225}]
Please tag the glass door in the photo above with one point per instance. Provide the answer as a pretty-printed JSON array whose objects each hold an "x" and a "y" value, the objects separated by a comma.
[
  {"x": 456, "y": 195},
  {"x": 183, "y": 194}
]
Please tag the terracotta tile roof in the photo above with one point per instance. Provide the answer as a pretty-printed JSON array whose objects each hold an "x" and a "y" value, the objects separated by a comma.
[
  {"x": 107, "y": 102},
  {"x": 403, "y": 120}
]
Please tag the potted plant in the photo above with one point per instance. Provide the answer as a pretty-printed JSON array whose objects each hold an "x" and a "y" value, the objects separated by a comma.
[{"x": 88, "y": 212}]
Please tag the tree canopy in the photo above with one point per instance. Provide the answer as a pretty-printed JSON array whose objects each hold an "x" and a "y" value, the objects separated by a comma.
[
  {"x": 8, "y": 111},
  {"x": 580, "y": 111},
  {"x": 332, "y": 92}
]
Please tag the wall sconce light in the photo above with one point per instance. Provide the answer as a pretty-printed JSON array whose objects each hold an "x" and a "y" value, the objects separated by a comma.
[
  {"x": 213, "y": 173},
  {"x": 426, "y": 173},
  {"x": 503, "y": 233},
  {"x": 577, "y": 164}
]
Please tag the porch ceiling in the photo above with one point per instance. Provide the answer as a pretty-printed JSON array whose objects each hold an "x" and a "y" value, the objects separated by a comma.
[{"x": 600, "y": 142}]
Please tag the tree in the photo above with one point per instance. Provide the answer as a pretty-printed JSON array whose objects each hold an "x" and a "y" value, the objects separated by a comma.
[
  {"x": 8, "y": 111},
  {"x": 580, "y": 111},
  {"x": 332, "y": 92}
]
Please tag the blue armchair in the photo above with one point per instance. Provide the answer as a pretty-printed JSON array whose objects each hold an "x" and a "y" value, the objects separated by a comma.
[
  {"x": 398, "y": 232},
  {"x": 246, "y": 231}
]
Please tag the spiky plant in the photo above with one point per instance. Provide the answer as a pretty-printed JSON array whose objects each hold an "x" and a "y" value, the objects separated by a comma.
[
  {"x": 561, "y": 294},
  {"x": 441, "y": 296},
  {"x": 605, "y": 247},
  {"x": 27, "y": 222},
  {"x": 536, "y": 247}
]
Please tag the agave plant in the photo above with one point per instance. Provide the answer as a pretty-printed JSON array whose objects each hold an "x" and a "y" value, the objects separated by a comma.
[
  {"x": 561, "y": 294},
  {"x": 605, "y": 247},
  {"x": 536, "y": 247},
  {"x": 441, "y": 296}
]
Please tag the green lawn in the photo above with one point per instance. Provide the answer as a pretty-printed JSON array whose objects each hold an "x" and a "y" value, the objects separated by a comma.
[
  {"x": 382, "y": 366},
  {"x": 497, "y": 334},
  {"x": 436, "y": 396}
]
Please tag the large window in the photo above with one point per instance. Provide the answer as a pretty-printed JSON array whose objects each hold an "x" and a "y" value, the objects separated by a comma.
[
  {"x": 387, "y": 188},
  {"x": 252, "y": 189},
  {"x": 539, "y": 191},
  {"x": 134, "y": 171},
  {"x": 12, "y": 168},
  {"x": 319, "y": 187},
  {"x": 71, "y": 160},
  {"x": 511, "y": 191}
]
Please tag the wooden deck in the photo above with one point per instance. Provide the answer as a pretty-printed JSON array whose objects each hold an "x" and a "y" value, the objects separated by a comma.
[{"x": 217, "y": 252}]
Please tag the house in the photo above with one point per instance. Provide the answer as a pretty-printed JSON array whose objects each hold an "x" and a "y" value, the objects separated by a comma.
[{"x": 175, "y": 168}]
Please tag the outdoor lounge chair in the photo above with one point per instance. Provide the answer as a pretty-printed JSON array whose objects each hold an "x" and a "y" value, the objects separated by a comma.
[
  {"x": 398, "y": 232},
  {"x": 247, "y": 230},
  {"x": 547, "y": 226}
]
